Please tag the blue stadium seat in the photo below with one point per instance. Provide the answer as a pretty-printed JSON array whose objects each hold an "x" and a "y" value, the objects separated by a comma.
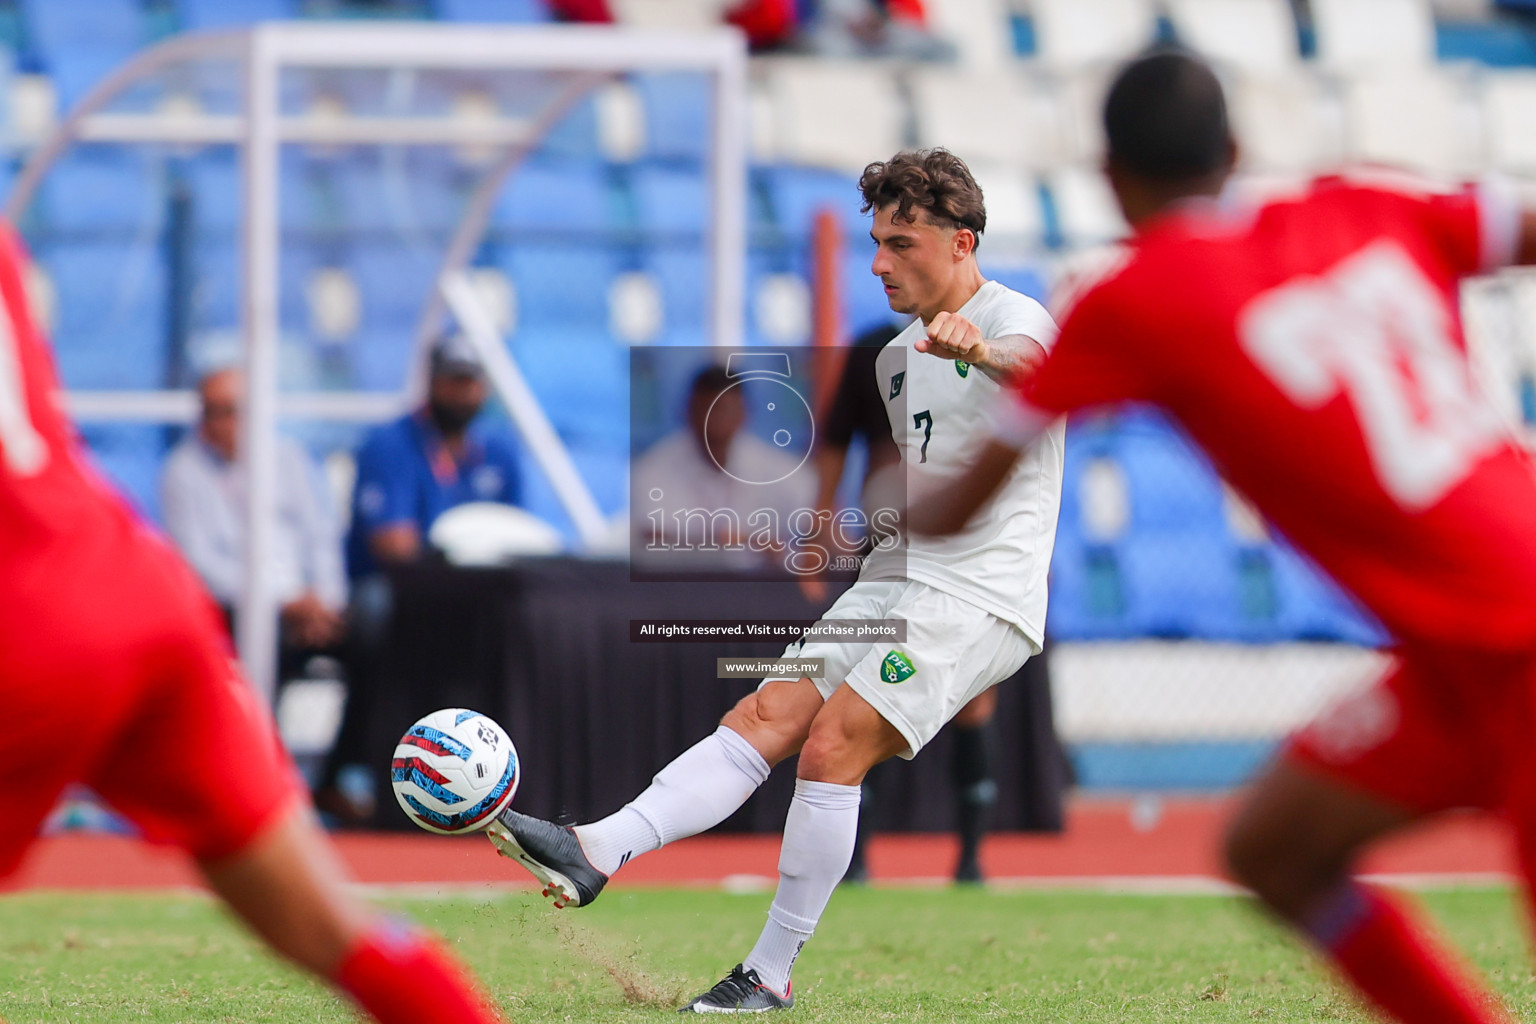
[
  {"x": 405, "y": 195},
  {"x": 218, "y": 197},
  {"x": 562, "y": 289},
  {"x": 130, "y": 456},
  {"x": 104, "y": 192},
  {"x": 575, "y": 137},
  {"x": 110, "y": 328},
  {"x": 671, "y": 200},
  {"x": 493, "y": 10},
  {"x": 1181, "y": 585},
  {"x": 393, "y": 282},
  {"x": 81, "y": 41},
  {"x": 582, "y": 384},
  {"x": 1311, "y": 607},
  {"x": 682, "y": 275},
  {"x": 557, "y": 198},
  {"x": 199, "y": 14},
  {"x": 798, "y": 193},
  {"x": 677, "y": 115},
  {"x": 1172, "y": 487}
]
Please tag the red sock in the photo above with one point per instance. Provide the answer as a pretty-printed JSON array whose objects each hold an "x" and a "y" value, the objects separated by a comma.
[
  {"x": 1397, "y": 962},
  {"x": 402, "y": 977}
]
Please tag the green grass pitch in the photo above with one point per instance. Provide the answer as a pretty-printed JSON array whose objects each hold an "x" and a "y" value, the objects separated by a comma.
[{"x": 881, "y": 955}]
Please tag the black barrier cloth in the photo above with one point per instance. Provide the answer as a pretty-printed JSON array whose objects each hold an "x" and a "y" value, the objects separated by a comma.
[{"x": 544, "y": 649}]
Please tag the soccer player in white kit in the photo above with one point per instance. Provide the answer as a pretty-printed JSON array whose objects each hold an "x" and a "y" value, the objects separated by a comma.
[{"x": 974, "y": 603}]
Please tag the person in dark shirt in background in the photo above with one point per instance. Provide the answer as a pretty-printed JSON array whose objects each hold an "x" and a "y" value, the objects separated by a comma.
[{"x": 857, "y": 411}]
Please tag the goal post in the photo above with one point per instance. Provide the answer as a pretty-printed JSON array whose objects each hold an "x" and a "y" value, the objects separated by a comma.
[{"x": 240, "y": 83}]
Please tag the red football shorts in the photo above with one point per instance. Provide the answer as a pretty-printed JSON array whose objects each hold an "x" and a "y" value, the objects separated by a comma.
[
  {"x": 1442, "y": 729},
  {"x": 117, "y": 675}
]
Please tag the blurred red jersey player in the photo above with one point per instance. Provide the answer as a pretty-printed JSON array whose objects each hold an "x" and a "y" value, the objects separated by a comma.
[
  {"x": 114, "y": 673},
  {"x": 1313, "y": 346}
]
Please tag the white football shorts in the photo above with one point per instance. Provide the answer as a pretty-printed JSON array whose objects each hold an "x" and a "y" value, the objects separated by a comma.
[{"x": 953, "y": 651}]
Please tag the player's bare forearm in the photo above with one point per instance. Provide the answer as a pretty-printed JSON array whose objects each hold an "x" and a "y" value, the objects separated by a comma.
[
  {"x": 1012, "y": 360},
  {"x": 947, "y": 511}
]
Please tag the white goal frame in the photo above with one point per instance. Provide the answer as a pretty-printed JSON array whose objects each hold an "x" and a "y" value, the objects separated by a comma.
[{"x": 590, "y": 55}]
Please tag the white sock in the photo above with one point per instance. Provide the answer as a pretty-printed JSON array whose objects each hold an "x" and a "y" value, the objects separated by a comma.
[
  {"x": 700, "y": 788},
  {"x": 819, "y": 833}
]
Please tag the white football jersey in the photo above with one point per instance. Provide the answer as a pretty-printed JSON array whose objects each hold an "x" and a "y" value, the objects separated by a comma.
[{"x": 941, "y": 417}]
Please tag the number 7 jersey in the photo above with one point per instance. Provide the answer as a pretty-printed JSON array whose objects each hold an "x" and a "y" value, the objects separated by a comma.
[
  {"x": 941, "y": 414},
  {"x": 1313, "y": 346}
]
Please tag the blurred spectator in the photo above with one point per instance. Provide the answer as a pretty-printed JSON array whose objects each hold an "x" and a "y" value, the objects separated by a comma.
[
  {"x": 874, "y": 28},
  {"x": 705, "y": 469},
  {"x": 413, "y": 470},
  {"x": 767, "y": 23},
  {"x": 203, "y": 497}
]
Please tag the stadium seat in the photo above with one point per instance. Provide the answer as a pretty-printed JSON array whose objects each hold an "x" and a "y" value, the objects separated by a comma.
[
  {"x": 556, "y": 199},
  {"x": 1086, "y": 211},
  {"x": 129, "y": 456},
  {"x": 796, "y": 194},
  {"x": 833, "y": 114},
  {"x": 1080, "y": 102},
  {"x": 200, "y": 14},
  {"x": 397, "y": 191},
  {"x": 1171, "y": 488},
  {"x": 1257, "y": 36},
  {"x": 1353, "y": 35},
  {"x": 980, "y": 30},
  {"x": 1311, "y": 607},
  {"x": 493, "y": 10},
  {"x": 1015, "y": 218},
  {"x": 562, "y": 288},
  {"x": 671, "y": 201},
  {"x": 1181, "y": 584},
  {"x": 393, "y": 282},
  {"x": 83, "y": 40},
  {"x": 1073, "y": 33},
  {"x": 1420, "y": 119},
  {"x": 1282, "y": 120},
  {"x": 111, "y": 298},
  {"x": 1509, "y": 111},
  {"x": 964, "y": 111},
  {"x": 677, "y": 115},
  {"x": 582, "y": 383},
  {"x": 683, "y": 278},
  {"x": 114, "y": 191}
]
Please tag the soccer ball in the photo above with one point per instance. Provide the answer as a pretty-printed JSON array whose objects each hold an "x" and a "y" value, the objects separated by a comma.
[{"x": 454, "y": 771}]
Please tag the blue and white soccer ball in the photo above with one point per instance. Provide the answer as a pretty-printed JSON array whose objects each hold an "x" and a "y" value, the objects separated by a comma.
[{"x": 454, "y": 771}]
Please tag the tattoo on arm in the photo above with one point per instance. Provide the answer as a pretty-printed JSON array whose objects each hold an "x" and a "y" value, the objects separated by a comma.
[{"x": 1012, "y": 359}]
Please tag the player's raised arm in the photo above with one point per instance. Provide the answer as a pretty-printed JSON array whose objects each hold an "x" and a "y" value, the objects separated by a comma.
[{"x": 1008, "y": 360}]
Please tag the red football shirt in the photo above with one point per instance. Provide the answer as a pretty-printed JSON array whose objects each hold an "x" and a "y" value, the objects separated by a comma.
[
  {"x": 55, "y": 512},
  {"x": 1313, "y": 347}
]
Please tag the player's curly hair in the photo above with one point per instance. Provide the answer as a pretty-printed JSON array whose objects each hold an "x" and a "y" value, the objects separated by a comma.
[{"x": 932, "y": 180}]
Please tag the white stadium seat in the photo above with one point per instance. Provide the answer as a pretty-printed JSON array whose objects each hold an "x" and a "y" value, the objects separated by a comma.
[
  {"x": 998, "y": 117},
  {"x": 1355, "y": 34},
  {"x": 834, "y": 114},
  {"x": 1080, "y": 106},
  {"x": 1086, "y": 210},
  {"x": 1254, "y": 35},
  {"x": 981, "y": 31},
  {"x": 1509, "y": 114},
  {"x": 1072, "y": 33},
  {"x": 1421, "y": 120},
  {"x": 1014, "y": 218},
  {"x": 1285, "y": 122}
]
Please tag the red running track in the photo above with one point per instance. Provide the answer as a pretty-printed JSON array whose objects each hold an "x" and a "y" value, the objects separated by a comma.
[{"x": 1170, "y": 840}]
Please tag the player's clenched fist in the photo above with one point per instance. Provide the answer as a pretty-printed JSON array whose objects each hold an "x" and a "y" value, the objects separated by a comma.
[{"x": 951, "y": 336}]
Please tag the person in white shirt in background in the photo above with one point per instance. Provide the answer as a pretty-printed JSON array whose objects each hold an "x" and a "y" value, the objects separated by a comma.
[{"x": 202, "y": 497}]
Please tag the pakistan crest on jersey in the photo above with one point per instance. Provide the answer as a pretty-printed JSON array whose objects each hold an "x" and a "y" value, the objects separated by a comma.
[
  {"x": 962, "y": 368},
  {"x": 897, "y": 667}
]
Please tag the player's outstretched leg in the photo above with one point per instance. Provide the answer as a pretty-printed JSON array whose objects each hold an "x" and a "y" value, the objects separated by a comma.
[
  {"x": 703, "y": 786},
  {"x": 1292, "y": 844},
  {"x": 288, "y": 886},
  {"x": 846, "y": 739}
]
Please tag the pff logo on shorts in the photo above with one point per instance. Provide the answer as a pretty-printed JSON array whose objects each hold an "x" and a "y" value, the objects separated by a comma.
[{"x": 897, "y": 667}]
